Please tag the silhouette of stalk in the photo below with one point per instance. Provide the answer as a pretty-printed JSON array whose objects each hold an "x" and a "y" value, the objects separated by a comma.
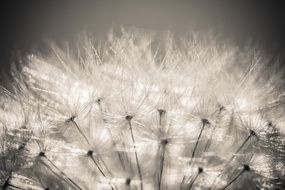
[
  {"x": 42, "y": 155},
  {"x": 204, "y": 123},
  {"x": 246, "y": 168},
  {"x": 129, "y": 118},
  {"x": 90, "y": 155},
  {"x": 71, "y": 119},
  {"x": 200, "y": 170},
  {"x": 251, "y": 134},
  {"x": 162, "y": 146}
]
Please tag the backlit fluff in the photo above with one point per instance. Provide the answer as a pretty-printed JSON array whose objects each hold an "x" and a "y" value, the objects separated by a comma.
[{"x": 196, "y": 113}]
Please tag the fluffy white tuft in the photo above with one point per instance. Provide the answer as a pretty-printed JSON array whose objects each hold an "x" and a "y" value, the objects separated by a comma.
[{"x": 140, "y": 112}]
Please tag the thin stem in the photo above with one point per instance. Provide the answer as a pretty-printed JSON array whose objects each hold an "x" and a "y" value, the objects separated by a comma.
[
  {"x": 105, "y": 165},
  {"x": 56, "y": 174},
  {"x": 162, "y": 146},
  {"x": 78, "y": 128},
  {"x": 128, "y": 118},
  {"x": 193, "y": 181},
  {"x": 197, "y": 142},
  {"x": 233, "y": 180},
  {"x": 161, "y": 163},
  {"x": 99, "y": 168},
  {"x": 204, "y": 123},
  {"x": 251, "y": 134},
  {"x": 42, "y": 155},
  {"x": 189, "y": 186}
]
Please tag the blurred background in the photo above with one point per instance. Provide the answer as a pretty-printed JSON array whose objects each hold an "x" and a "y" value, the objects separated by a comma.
[{"x": 25, "y": 25}]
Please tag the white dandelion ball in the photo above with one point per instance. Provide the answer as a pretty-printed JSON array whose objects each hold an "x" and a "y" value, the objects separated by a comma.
[{"x": 144, "y": 111}]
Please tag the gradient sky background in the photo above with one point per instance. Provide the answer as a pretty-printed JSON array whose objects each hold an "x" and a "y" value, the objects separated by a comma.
[{"x": 25, "y": 25}]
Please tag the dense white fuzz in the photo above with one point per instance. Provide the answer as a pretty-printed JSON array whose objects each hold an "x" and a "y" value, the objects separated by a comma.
[{"x": 142, "y": 112}]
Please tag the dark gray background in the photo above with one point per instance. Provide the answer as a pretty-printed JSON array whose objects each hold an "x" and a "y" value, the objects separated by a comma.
[{"x": 26, "y": 24}]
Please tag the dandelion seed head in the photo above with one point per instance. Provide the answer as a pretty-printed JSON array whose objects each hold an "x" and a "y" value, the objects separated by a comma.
[{"x": 126, "y": 116}]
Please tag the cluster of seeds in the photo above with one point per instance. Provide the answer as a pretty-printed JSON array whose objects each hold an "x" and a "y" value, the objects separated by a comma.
[{"x": 141, "y": 113}]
